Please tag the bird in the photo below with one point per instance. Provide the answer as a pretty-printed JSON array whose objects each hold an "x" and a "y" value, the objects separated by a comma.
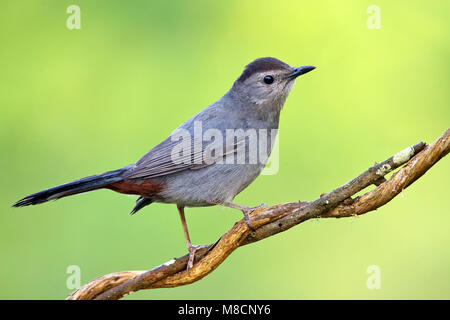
[{"x": 184, "y": 170}]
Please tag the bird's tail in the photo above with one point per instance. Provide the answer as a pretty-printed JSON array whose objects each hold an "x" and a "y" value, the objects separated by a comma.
[{"x": 78, "y": 186}]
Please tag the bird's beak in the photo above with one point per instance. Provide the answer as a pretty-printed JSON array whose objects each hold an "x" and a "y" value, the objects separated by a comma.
[{"x": 299, "y": 71}]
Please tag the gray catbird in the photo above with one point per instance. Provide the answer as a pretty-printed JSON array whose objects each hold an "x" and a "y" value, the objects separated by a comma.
[{"x": 186, "y": 178}]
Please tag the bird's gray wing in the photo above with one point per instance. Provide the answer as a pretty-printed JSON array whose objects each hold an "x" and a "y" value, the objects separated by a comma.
[{"x": 163, "y": 160}]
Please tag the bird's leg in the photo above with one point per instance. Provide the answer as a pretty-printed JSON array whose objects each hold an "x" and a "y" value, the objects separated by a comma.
[
  {"x": 245, "y": 210},
  {"x": 190, "y": 247}
]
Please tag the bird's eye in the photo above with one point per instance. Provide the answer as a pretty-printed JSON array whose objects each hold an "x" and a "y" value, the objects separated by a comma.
[{"x": 268, "y": 79}]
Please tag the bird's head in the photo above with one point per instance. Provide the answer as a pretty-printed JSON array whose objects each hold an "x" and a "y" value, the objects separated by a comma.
[{"x": 268, "y": 81}]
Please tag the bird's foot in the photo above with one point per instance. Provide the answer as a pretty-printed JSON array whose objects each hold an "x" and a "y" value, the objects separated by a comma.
[
  {"x": 192, "y": 249},
  {"x": 246, "y": 211}
]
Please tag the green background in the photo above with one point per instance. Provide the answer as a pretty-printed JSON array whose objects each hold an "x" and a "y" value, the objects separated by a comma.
[{"x": 80, "y": 102}]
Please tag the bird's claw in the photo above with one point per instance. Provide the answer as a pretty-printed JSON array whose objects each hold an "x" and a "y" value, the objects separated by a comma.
[
  {"x": 192, "y": 249},
  {"x": 247, "y": 218},
  {"x": 246, "y": 212},
  {"x": 190, "y": 263}
]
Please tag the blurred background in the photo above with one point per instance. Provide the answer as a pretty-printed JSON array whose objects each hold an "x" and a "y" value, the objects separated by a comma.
[{"x": 79, "y": 102}]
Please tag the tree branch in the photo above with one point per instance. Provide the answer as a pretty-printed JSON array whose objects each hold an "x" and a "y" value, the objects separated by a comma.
[{"x": 271, "y": 220}]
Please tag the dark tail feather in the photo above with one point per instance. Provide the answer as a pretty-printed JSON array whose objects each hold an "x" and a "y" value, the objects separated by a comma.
[
  {"x": 74, "y": 187},
  {"x": 140, "y": 203}
]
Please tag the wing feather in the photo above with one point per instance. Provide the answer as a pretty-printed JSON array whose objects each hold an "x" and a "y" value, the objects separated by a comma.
[{"x": 160, "y": 160}]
